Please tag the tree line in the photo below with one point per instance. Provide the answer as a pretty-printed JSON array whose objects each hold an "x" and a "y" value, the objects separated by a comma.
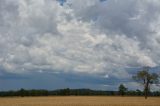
[{"x": 77, "y": 92}]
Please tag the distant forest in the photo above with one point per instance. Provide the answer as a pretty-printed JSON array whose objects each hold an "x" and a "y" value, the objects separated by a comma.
[{"x": 74, "y": 92}]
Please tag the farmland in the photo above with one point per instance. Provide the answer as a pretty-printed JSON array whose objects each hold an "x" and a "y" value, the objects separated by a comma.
[{"x": 79, "y": 101}]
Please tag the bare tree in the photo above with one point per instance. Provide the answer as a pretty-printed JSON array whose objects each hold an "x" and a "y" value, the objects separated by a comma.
[{"x": 146, "y": 79}]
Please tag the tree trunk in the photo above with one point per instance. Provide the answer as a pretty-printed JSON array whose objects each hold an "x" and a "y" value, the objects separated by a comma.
[
  {"x": 146, "y": 90},
  {"x": 146, "y": 94}
]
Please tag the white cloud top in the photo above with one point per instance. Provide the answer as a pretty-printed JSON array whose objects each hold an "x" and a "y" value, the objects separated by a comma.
[{"x": 93, "y": 37}]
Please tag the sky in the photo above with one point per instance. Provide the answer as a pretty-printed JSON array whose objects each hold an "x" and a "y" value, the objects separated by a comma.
[{"x": 95, "y": 44}]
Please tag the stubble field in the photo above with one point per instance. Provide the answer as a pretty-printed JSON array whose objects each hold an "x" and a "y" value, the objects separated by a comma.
[{"x": 80, "y": 101}]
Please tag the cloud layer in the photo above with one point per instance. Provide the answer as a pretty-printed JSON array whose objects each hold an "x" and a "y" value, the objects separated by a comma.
[{"x": 96, "y": 37}]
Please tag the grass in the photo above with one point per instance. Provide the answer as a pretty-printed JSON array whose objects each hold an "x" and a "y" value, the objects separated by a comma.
[{"x": 80, "y": 101}]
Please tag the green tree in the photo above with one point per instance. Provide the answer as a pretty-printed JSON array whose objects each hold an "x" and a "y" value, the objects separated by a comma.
[
  {"x": 146, "y": 79},
  {"x": 122, "y": 89},
  {"x": 139, "y": 92},
  {"x": 22, "y": 92}
]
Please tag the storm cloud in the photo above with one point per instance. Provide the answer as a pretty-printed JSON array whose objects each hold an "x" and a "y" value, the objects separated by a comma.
[{"x": 99, "y": 37}]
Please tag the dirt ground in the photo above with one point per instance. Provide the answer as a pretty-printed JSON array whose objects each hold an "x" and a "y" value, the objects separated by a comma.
[{"x": 80, "y": 101}]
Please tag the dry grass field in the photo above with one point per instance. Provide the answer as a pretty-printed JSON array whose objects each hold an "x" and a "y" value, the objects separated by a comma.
[{"x": 80, "y": 101}]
